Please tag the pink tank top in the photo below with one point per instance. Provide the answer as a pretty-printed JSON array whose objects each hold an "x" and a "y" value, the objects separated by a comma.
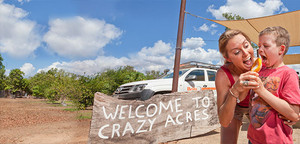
[{"x": 245, "y": 102}]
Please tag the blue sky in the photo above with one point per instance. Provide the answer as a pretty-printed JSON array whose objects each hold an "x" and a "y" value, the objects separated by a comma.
[{"x": 89, "y": 36}]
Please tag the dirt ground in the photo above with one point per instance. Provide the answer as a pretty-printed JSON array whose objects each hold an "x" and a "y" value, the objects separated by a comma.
[{"x": 33, "y": 121}]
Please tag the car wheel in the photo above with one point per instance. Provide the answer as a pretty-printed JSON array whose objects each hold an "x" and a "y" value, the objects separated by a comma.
[{"x": 146, "y": 95}]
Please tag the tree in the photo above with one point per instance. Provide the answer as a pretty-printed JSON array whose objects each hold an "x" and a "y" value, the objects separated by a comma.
[
  {"x": 58, "y": 85},
  {"x": 107, "y": 82},
  {"x": 25, "y": 86},
  {"x": 83, "y": 96},
  {"x": 15, "y": 80},
  {"x": 153, "y": 74},
  {"x": 229, "y": 16},
  {"x": 2, "y": 74},
  {"x": 39, "y": 83}
]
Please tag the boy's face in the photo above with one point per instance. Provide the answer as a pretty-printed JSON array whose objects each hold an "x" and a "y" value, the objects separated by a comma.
[
  {"x": 240, "y": 52},
  {"x": 271, "y": 54}
]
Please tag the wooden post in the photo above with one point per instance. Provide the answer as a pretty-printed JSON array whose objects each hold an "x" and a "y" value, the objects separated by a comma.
[{"x": 178, "y": 47}]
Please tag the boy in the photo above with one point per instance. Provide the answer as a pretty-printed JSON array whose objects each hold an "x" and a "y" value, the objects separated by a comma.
[{"x": 277, "y": 91}]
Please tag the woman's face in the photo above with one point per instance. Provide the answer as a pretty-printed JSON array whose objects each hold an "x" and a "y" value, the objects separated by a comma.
[{"x": 240, "y": 52}]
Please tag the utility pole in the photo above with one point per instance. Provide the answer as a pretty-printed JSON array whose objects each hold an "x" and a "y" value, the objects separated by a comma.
[{"x": 178, "y": 46}]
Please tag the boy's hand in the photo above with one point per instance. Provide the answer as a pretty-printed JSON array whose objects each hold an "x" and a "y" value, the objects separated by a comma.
[{"x": 286, "y": 121}]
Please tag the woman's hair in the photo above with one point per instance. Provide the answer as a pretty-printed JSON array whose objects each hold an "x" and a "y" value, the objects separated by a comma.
[
  {"x": 282, "y": 36},
  {"x": 225, "y": 37}
]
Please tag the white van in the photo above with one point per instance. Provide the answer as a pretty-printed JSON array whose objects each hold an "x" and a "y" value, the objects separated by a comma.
[{"x": 193, "y": 76}]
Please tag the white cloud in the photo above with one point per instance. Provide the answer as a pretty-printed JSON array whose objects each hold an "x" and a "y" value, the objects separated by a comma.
[
  {"x": 158, "y": 57},
  {"x": 159, "y": 48},
  {"x": 248, "y": 8},
  {"x": 79, "y": 37},
  {"x": 213, "y": 32},
  {"x": 213, "y": 25},
  {"x": 193, "y": 42},
  {"x": 28, "y": 69},
  {"x": 22, "y": 1},
  {"x": 193, "y": 51},
  {"x": 19, "y": 36},
  {"x": 7, "y": 71},
  {"x": 89, "y": 66},
  {"x": 204, "y": 27},
  {"x": 207, "y": 28},
  {"x": 200, "y": 54}
]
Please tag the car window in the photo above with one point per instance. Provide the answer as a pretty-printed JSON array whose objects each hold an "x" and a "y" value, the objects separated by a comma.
[
  {"x": 199, "y": 75},
  {"x": 181, "y": 72},
  {"x": 211, "y": 75}
]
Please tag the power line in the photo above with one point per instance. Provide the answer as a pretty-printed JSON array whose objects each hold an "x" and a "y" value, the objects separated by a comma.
[
  {"x": 195, "y": 15},
  {"x": 198, "y": 17},
  {"x": 210, "y": 40}
]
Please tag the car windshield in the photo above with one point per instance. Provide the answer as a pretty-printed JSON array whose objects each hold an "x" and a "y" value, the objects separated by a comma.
[{"x": 170, "y": 75}]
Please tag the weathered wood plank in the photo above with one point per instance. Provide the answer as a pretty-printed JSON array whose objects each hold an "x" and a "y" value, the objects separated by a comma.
[{"x": 160, "y": 119}]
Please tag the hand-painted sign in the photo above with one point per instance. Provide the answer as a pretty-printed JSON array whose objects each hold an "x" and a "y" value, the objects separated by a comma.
[{"x": 159, "y": 119}]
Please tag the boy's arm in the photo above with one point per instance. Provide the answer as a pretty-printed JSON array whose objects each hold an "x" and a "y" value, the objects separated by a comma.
[
  {"x": 287, "y": 121},
  {"x": 290, "y": 111}
]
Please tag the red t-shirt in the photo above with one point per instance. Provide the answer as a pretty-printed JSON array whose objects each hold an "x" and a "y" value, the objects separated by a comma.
[{"x": 265, "y": 125}]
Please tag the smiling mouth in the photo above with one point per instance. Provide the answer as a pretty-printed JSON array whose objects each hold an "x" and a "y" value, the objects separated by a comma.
[{"x": 248, "y": 61}]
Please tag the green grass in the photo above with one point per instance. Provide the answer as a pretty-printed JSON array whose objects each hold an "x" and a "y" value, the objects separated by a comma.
[
  {"x": 71, "y": 109},
  {"x": 58, "y": 103},
  {"x": 83, "y": 116},
  {"x": 52, "y": 102}
]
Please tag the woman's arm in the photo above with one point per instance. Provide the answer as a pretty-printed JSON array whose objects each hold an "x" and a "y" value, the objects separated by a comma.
[{"x": 225, "y": 101}]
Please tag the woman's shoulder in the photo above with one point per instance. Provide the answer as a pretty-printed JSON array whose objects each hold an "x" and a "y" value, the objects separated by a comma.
[
  {"x": 221, "y": 74},
  {"x": 222, "y": 81},
  {"x": 223, "y": 70},
  {"x": 220, "y": 71}
]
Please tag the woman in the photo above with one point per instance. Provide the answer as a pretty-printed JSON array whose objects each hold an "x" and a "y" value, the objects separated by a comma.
[{"x": 233, "y": 99}]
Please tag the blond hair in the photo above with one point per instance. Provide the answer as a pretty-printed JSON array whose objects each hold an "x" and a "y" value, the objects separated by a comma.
[
  {"x": 225, "y": 37},
  {"x": 282, "y": 36}
]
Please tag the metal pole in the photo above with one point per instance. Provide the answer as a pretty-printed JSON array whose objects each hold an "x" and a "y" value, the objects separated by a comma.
[{"x": 178, "y": 47}]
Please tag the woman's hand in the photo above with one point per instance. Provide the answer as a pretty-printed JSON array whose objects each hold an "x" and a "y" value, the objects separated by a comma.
[
  {"x": 244, "y": 83},
  {"x": 247, "y": 81},
  {"x": 251, "y": 80}
]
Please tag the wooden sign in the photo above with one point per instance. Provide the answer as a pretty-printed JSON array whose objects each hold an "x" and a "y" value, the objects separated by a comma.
[{"x": 162, "y": 118}]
